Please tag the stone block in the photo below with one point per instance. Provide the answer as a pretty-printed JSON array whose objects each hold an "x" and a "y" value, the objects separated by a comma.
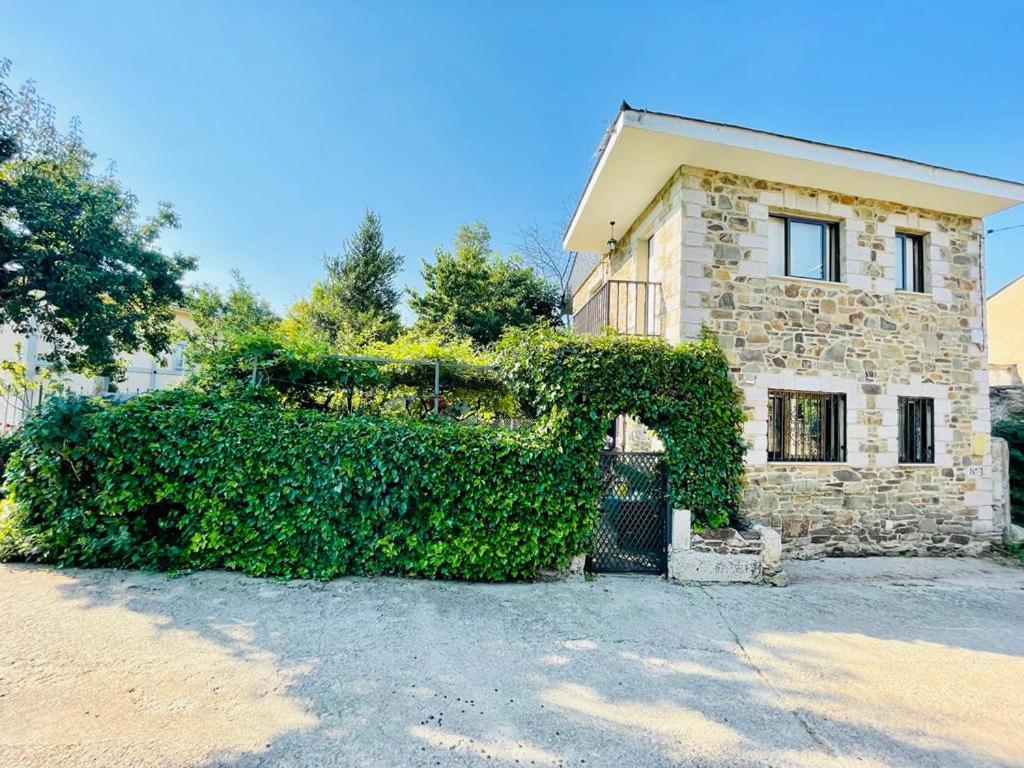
[{"x": 706, "y": 567}]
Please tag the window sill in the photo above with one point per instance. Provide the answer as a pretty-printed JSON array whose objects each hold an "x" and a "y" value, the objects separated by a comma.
[
  {"x": 901, "y": 292},
  {"x": 914, "y": 464},
  {"x": 806, "y": 463},
  {"x": 808, "y": 280}
]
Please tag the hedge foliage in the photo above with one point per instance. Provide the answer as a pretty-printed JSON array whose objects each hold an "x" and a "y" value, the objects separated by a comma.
[
  {"x": 235, "y": 479},
  {"x": 1011, "y": 429},
  {"x": 298, "y": 371},
  {"x": 683, "y": 392},
  {"x": 8, "y": 444},
  {"x": 181, "y": 480}
]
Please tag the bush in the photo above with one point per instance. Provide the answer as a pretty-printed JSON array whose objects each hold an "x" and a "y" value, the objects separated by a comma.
[
  {"x": 297, "y": 370},
  {"x": 681, "y": 391},
  {"x": 236, "y": 479},
  {"x": 1011, "y": 429},
  {"x": 179, "y": 480},
  {"x": 8, "y": 444}
]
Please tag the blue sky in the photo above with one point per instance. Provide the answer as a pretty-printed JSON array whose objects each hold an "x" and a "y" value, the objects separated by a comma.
[{"x": 271, "y": 126}]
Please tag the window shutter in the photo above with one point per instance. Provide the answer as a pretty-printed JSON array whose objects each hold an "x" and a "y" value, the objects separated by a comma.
[{"x": 776, "y": 246}]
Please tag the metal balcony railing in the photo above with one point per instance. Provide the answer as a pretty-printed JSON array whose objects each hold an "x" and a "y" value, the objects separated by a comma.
[{"x": 629, "y": 307}]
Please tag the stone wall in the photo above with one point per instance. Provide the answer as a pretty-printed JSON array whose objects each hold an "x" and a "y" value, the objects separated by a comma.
[
  {"x": 751, "y": 556},
  {"x": 859, "y": 336},
  {"x": 1002, "y": 511}
]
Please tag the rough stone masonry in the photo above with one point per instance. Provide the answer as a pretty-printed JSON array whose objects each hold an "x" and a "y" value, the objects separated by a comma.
[{"x": 705, "y": 239}]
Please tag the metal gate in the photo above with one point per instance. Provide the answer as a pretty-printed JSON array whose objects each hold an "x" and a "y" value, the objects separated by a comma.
[{"x": 632, "y": 531}]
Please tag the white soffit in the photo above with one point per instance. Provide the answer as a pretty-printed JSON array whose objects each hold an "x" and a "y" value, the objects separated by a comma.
[{"x": 645, "y": 148}]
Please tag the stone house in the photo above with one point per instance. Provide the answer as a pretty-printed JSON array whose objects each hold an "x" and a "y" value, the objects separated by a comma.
[{"x": 848, "y": 290}]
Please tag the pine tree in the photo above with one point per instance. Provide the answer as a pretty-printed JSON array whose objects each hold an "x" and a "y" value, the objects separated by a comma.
[{"x": 357, "y": 301}]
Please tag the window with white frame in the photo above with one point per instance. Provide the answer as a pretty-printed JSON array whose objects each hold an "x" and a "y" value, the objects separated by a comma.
[
  {"x": 807, "y": 248},
  {"x": 909, "y": 262}
]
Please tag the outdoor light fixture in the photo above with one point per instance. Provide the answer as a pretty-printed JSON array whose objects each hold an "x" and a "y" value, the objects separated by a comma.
[{"x": 612, "y": 242}]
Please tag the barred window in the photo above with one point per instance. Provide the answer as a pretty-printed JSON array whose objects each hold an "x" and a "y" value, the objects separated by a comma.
[
  {"x": 917, "y": 430},
  {"x": 806, "y": 426}
]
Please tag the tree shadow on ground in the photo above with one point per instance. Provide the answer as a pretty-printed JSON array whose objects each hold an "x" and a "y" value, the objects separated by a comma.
[{"x": 615, "y": 672}]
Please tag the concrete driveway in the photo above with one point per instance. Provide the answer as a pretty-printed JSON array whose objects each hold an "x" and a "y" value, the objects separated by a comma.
[{"x": 858, "y": 662}]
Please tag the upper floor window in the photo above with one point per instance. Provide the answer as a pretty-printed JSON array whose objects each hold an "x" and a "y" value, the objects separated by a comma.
[
  {"x": 806, "y": 426},
  {"x": 909, "y": 262},
  {"x": 803, "y": 248},
  {"x": 917, "y": 430}
]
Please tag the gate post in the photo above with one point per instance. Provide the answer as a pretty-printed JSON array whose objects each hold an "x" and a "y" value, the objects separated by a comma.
[
  {"x": 678, "y": 545},
  {"x": 680, "y": 530}
]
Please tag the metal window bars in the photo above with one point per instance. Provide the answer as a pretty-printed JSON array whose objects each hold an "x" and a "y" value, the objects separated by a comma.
[
  {"x": 917, "y": 430},
  {"x": 806, "y": 426}
]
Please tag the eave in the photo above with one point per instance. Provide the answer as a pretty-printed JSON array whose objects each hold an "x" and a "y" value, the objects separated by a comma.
[{"x": 643, "y": 149}]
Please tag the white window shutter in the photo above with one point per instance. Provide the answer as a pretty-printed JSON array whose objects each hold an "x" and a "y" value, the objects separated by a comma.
[{"x": 776, "y": 246}]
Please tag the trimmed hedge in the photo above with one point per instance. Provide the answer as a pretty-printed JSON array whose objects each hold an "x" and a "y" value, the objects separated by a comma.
[
  {"x": 180, "y": 480},
  {"x": 183, "y": 479}
]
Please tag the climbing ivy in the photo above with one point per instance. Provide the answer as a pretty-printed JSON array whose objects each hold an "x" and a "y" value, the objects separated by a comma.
[
  {"x": 231, "y": 479},
  {"x": 577, "y": 384},
  {"x": 180, "y": 480}
]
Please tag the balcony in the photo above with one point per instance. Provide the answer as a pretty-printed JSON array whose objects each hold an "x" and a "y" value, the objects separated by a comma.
[{"x": 629, "y": 307}]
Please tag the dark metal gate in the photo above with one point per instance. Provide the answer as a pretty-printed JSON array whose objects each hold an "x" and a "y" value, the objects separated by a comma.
[{"x": 632, "y": 531}]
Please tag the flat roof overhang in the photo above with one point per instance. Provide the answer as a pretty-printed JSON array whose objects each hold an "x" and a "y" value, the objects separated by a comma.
[{"x": 643, "y": 149}]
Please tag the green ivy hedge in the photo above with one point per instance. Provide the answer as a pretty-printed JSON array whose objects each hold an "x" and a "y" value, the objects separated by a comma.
[
  {"x": 180, "y": 480},
  {"x": 184, "y": 479},
  {"x": 683, "y": 392}
]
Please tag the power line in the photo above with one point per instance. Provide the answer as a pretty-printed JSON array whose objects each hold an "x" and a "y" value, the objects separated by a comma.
[{"x": 1003, "y": 229}]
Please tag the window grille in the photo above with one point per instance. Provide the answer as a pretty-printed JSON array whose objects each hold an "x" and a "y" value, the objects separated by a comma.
[
  {"x": 917, "y": 430},
  {"x": 806, "y": 426}
]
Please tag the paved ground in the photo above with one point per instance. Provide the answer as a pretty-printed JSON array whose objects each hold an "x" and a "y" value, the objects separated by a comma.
[{"x": 858, "y": 662}]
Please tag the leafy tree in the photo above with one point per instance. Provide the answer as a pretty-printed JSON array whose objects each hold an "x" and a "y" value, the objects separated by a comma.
[
  {"x": 357, "y": 301},
  {"x": 76, "y": 263},
  {"x": 218, "y": 320},
  {"x": 476, "y": 292}
]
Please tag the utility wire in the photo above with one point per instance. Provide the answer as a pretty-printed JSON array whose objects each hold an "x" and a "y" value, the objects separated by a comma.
[{"x": 1003, "y": 229}]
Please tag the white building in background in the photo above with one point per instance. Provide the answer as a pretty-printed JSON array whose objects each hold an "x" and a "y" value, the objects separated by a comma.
[{"x": 143, "y": 371}]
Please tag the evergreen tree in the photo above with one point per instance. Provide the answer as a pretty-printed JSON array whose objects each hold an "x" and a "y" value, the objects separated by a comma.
[
  {"x": 357, "y": 300},
  {"x": 476, "y": 292}
]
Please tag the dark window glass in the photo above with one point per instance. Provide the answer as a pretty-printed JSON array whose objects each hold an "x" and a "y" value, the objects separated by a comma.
[
  {"x": 806, "y": 426},
  {"x": 811, "y": 248},
  {"x": 917, "y": 430},
  {"x": 909, "y": 263}
]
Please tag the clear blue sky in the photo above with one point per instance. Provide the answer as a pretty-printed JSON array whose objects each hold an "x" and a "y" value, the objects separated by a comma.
[{"x": 271, "y": 126}]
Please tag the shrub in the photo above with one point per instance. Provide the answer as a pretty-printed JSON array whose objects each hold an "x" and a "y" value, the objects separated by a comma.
[
  {"x": 1011, "y": 429},
  {"x": 236, "y": 479},
  {"x": 298, "y": 370},
  {"x": 8, "y": 443},
  {"x": 681, "y": 391},
  {"x": 179, "y": 479}
]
